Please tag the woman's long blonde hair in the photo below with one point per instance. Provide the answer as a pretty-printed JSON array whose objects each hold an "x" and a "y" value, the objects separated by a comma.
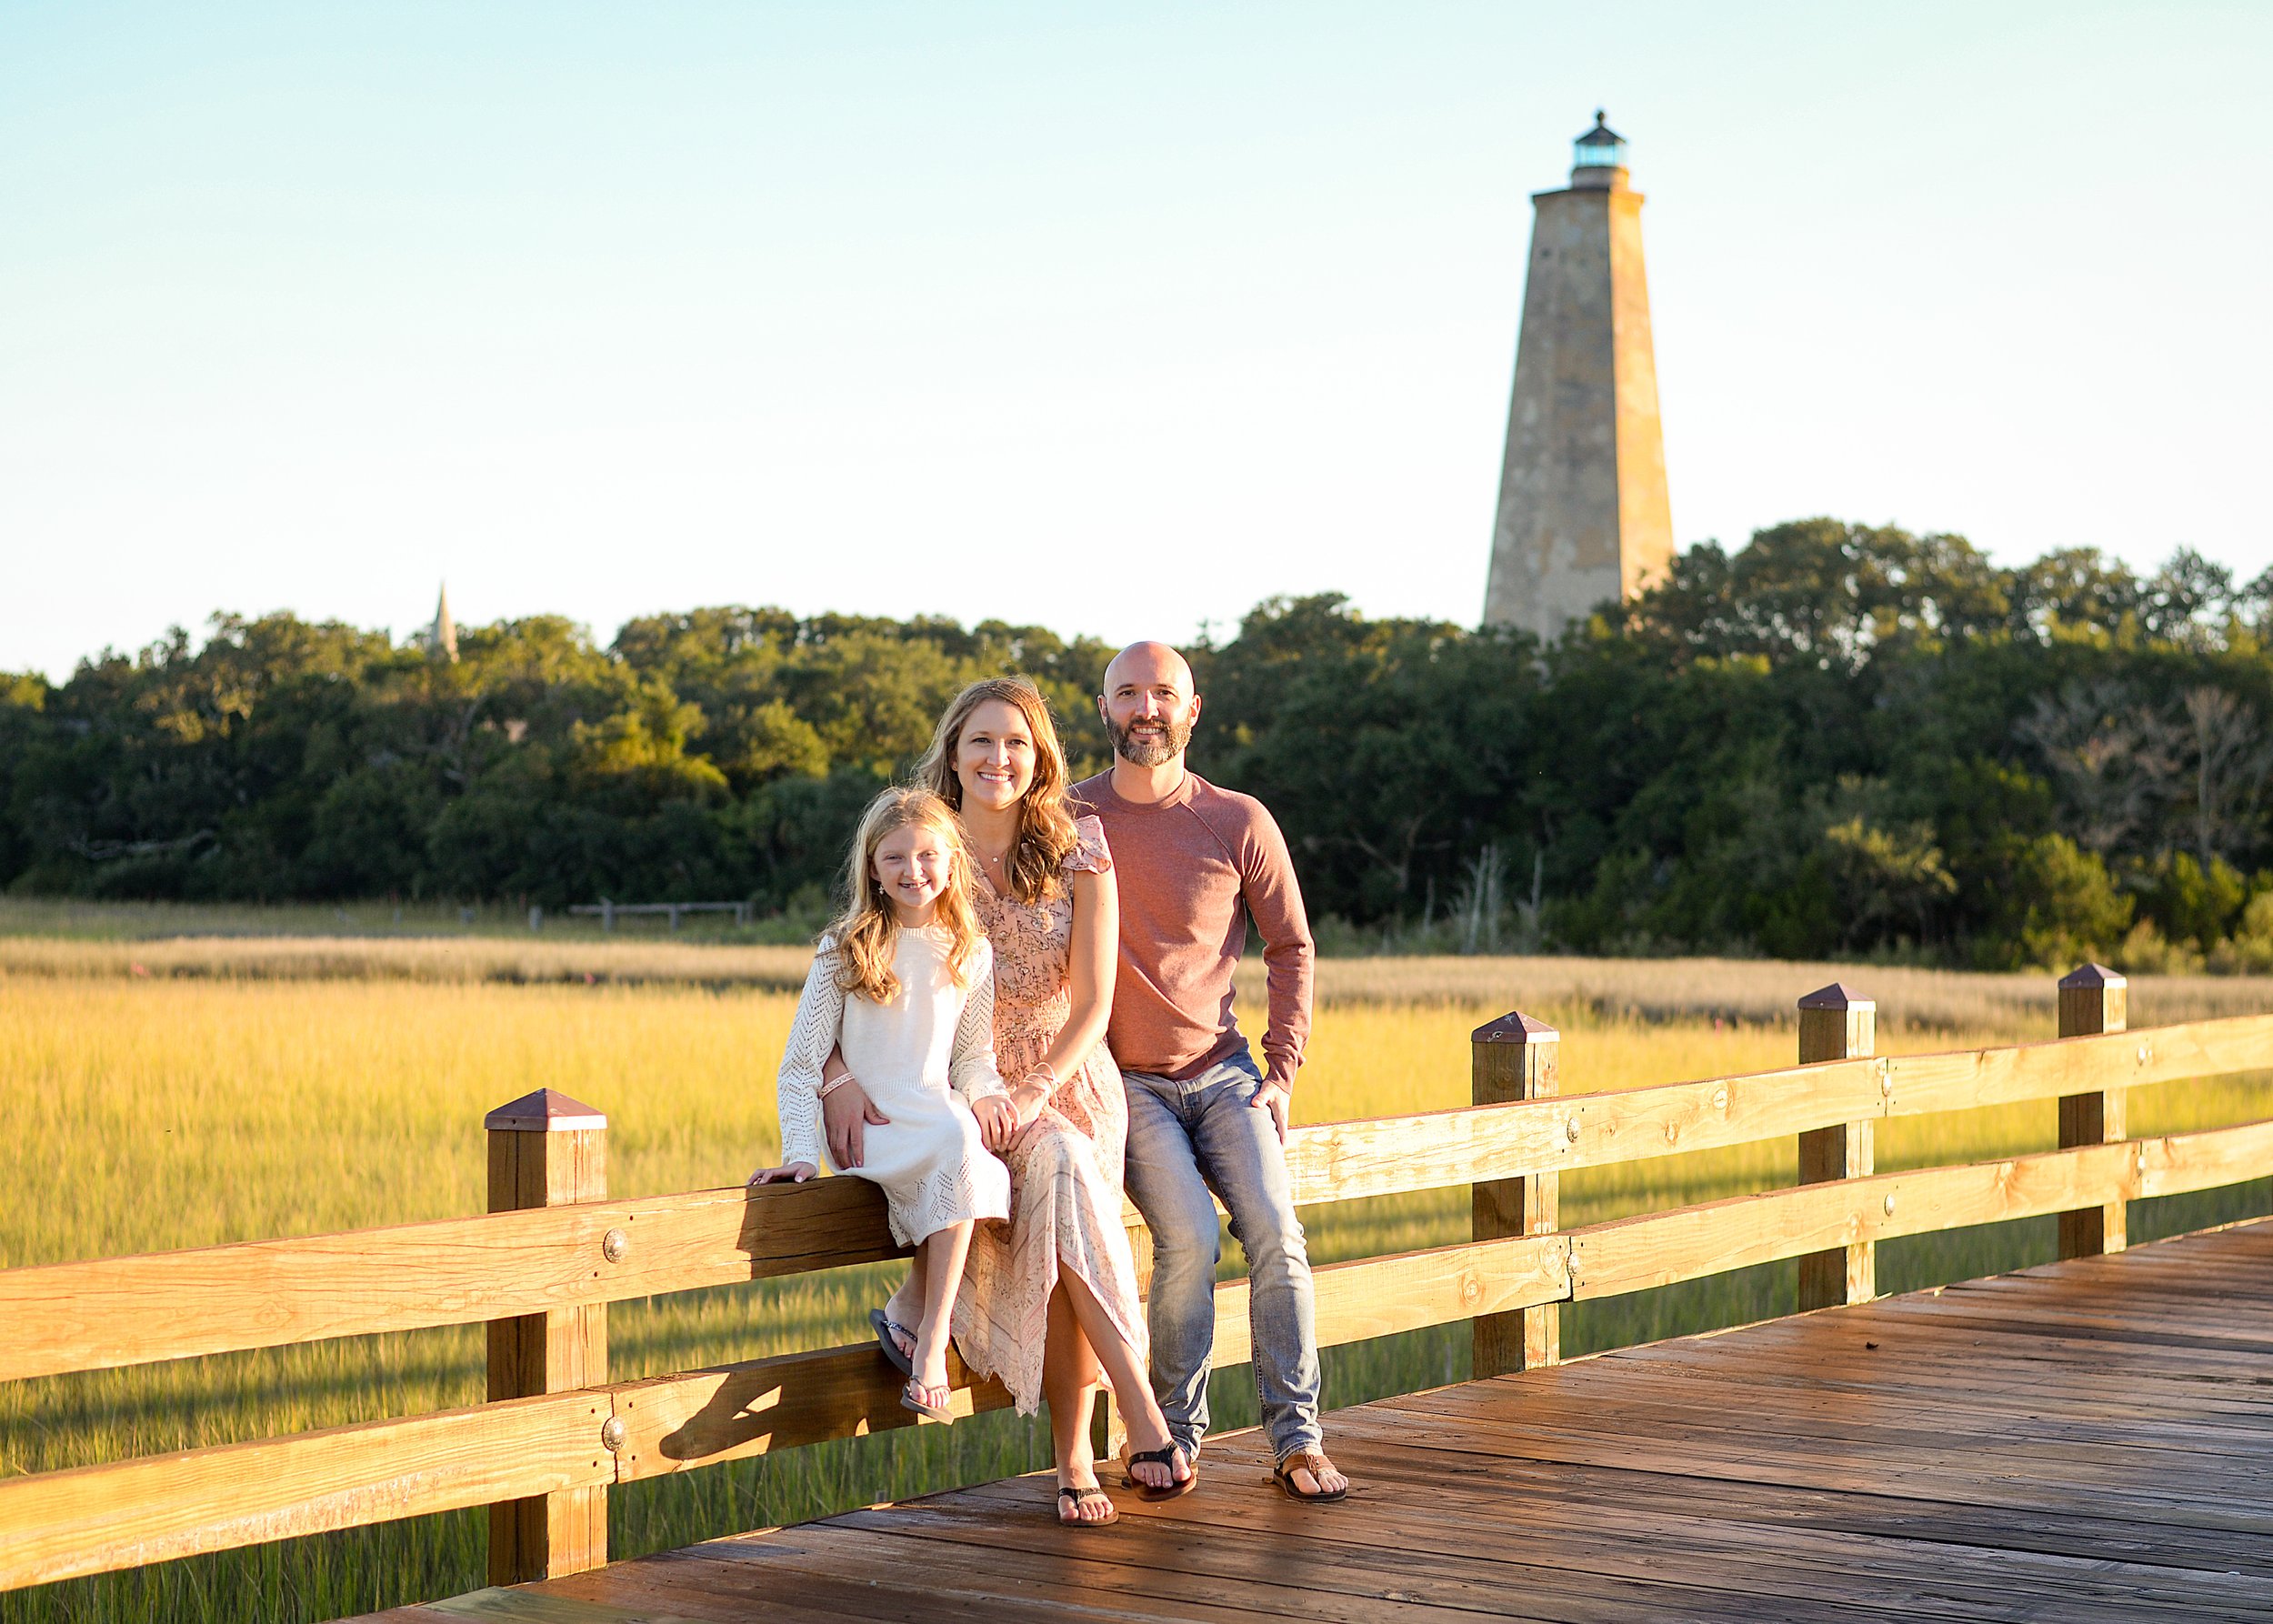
[
  {"x": 867, "y": 932},
  {"x": 1045, "y": 830}
]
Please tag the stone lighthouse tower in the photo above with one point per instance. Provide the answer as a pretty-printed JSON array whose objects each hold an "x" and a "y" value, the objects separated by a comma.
[{"x": 1583, "y": 515}]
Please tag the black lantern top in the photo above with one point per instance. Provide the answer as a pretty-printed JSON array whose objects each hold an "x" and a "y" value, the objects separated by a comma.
[{"x": 1600, "y": 147}]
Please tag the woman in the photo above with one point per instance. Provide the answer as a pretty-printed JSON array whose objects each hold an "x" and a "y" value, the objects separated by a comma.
[{"x": 1051, "y": 1296}]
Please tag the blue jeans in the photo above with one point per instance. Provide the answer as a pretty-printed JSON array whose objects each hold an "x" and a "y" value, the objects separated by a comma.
[{"x": 1185, "y": 1140}]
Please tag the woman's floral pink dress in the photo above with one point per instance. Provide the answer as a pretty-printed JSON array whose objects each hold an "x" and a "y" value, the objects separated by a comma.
[{"x": 1066, "y": 1170}]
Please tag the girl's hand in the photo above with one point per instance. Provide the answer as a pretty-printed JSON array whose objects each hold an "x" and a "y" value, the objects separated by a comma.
[
  {"x": 998, "y": 1120},
  {"x": 797, "y": 1172}
]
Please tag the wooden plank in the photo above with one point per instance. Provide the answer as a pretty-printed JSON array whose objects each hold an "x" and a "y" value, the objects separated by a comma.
[
  {"x": 1659, "y": 1249},
  {"x": 1965, "y": 1477},
  {"x": 1374, "y": 1297},
  {"x": 95, "y": 1314},
  {"x": 1386, "y": 1560},
  {"x": 1644, "y": 1489},
  {"x": 1343, "y": 1161},
  {"x": 1448, "y": 1520},
  {"x": 2030, "y": 1071},
  {"x": 92, "y": 1520}
]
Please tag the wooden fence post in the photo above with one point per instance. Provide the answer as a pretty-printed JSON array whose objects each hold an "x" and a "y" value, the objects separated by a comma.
[
  {"x": 546, "y": 1149},
  {"x": 1837, "y": 1025},
  {"x": 2093, "y": 998},
  {"x": 1515, "y": 1057}
]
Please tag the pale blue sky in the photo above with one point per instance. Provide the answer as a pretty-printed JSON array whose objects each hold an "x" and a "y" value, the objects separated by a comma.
[{"x": 1116, "y": 319}]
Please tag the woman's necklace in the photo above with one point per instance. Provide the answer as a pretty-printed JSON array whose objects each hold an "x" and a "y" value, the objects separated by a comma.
[{"x": 997, "y": 863}]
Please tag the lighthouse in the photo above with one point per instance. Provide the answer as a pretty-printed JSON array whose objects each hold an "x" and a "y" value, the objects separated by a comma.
[{"x": 1583, "y": 516}]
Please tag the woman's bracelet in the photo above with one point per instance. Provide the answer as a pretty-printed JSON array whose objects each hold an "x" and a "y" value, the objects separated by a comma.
[
  {"x": 830, "y": 1084},
  {"x": 1042, "y": 1069}
]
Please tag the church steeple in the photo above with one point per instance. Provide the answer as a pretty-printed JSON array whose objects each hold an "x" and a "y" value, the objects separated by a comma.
[{"x": 443, "y": 644}]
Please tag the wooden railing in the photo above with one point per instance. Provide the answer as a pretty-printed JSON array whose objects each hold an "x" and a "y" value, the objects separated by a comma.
[{"x": 541, "y": 1266}]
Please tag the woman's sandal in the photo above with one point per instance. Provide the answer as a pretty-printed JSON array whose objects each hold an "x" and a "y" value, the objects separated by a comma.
[
  {"x": 1081, "y": 1497},
  {"x": 1164, "y": 1455},
  {"x": 888, "y": 1333},
  {"x": 1314, "y": 1462},
  {"x": 917, "y": 1396}
]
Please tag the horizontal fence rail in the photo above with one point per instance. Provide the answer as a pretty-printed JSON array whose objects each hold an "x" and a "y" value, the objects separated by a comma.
[{"x": 554, "y": 1261}]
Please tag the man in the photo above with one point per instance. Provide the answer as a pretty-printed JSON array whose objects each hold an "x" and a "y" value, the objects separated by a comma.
[{"x": 1193, "y": 862}]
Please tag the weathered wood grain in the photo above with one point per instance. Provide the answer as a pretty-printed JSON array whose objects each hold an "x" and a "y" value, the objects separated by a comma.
[
  {"x": 92, "y": 1520},
  {"x": 1372, "y": 1297},
  {"x": 1660, "y": 1248},
  {"x": 95, "y": 1315}
]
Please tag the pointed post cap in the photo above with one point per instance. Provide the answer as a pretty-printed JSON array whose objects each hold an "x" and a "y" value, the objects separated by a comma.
[
  {"x": 2084, "y": 977},
  {"x": 1515, "y": 1028},
  {"x": 547, "y": 1111},
  {"x": 1837, "y": 996}
]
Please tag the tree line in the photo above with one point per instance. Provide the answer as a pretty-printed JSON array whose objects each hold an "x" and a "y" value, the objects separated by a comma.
[{"x": 1836, "y": 740}]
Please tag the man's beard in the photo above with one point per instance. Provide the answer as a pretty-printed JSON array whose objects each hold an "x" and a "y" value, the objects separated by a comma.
[{"x": 1154, "y": 750}]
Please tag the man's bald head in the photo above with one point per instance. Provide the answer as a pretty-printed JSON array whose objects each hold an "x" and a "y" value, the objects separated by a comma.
[
  {"x": 1149, "y": 704},
  {"x": 1147, "y": 664}
]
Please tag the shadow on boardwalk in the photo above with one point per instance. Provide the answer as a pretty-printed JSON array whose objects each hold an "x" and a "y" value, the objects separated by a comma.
[{"x": 2090, "y": 1439}]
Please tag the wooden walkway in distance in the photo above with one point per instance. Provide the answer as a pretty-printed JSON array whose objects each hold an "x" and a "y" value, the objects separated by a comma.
[{"x": 2082, "y": 1440}]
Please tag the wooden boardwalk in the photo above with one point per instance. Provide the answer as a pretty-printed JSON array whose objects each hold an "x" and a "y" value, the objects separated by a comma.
[{"x": 2092, "y": 1440}]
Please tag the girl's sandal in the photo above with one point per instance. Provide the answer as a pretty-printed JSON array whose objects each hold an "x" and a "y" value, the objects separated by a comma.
[
  {"x": 1164, "y": 1455},
  {"x": 888, "y": 1334},
  {"x": 1081, "y": 1497},
  {"x": 918, "y": 1398},
  {"x": 1314, "y": 1462}
]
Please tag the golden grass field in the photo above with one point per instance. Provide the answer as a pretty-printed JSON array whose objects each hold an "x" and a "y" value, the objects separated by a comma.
[{"x": 205, "y": 1101}]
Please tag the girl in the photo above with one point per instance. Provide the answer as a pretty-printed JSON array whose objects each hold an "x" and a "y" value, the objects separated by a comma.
[{"x": 903, "y": 988}]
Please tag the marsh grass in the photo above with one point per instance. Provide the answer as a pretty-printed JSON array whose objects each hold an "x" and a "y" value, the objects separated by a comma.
[
  {"x": 162, "y": 1111},
  {"x": 310, "y": 943}
]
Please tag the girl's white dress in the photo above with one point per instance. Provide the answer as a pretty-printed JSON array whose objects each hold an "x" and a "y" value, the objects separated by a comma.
[{"x": 922, "y": 1058}]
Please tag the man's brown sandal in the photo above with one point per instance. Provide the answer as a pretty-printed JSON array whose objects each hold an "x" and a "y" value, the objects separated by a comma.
[
  {"x": 1081, "y": 1497},
  {"x": 1314, "y": 1462},
  {"x": 1164, "y": 1455}
]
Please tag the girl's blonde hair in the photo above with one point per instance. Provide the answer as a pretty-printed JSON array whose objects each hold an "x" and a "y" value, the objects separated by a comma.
[
  {"x": 1045, "y": 829},
  {"x": 867, "y": 932}
]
